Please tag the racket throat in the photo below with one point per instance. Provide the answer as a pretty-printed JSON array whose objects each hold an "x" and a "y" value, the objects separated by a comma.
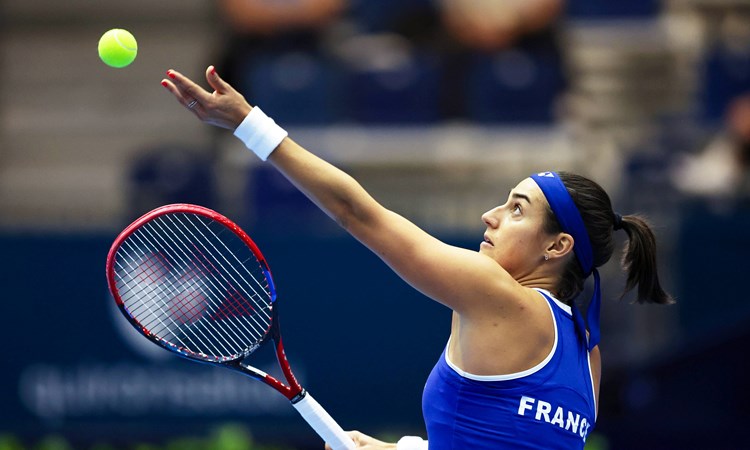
[
  {"x": 298, "y": 398},
  {"x": 290, "y": 393},
  {"x": 252, "y": 372}
]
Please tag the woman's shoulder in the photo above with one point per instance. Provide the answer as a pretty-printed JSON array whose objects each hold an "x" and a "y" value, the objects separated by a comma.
[{"x": 510, "y": 339}]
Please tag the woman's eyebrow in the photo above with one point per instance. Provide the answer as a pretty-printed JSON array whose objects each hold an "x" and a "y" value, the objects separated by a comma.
[{"x": 521, "y": 196}]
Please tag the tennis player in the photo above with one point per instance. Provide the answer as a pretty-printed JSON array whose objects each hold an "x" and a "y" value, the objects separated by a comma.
[{"x": 522, "y": 366}]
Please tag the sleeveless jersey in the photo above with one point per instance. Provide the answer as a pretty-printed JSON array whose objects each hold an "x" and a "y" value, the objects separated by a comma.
[{"x": 550, "y": 406}]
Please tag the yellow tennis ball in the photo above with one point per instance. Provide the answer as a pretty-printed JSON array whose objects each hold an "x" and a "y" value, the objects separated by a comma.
[{"x": 117, "y": 48}]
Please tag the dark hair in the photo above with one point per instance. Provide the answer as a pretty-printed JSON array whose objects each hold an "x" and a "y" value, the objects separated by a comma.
[{"x": 639, "y": 254}]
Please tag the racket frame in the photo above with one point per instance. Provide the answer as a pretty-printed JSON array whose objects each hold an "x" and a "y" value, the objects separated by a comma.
[{"x": 293, "y": 391}]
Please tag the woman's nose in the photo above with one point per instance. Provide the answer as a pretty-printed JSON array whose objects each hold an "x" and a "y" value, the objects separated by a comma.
[{"x": 489, "y": 218}]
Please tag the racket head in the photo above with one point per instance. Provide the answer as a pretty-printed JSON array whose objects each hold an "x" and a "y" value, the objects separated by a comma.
[{"x": 193, "y": 282}]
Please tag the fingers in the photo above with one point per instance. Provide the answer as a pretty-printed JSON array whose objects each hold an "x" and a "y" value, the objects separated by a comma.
[
  {"x": 354, "y": 435},
  {"x": 224, "y": 107},
  {"x": 187, "y": 89},
  {"x": 365, "y": 442},
  {"x": 176, "y": 92},
  {"x": 189, "y": 103},
  {"x": 216, "y": 82},
  {"x": 189, "y": 94},
  {"x": 360, "y": 439}
]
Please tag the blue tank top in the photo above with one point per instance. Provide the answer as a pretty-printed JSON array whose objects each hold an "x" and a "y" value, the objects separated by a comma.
[{"x": 550, "y": 406}]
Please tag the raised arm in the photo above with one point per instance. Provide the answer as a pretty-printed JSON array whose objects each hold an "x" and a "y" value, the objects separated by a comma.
[
  {"x": 463, "y": 280},
  {"x": 426, "y": 263}
]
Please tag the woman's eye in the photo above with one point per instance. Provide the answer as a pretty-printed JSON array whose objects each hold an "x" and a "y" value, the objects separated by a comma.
[{"x": 517, "y": 208}]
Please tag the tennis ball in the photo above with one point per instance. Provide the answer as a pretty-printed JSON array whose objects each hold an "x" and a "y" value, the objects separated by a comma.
[{"x": 117, "y": 48}]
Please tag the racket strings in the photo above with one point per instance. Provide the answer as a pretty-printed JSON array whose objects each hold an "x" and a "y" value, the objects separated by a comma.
[
  {"x": 164, "y": 323},
  {"x": 233, "y": 297},
  {"x": 151, "y": 314},
  {"x": 194, "y": 286},
  {"x": 204, "y": 265},
  {"x": 230, "y": 340},
  {"x": 203, "y": 268}
]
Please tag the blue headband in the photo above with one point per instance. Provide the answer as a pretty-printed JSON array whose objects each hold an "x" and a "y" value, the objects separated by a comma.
[{"x": 569, "y": 218}]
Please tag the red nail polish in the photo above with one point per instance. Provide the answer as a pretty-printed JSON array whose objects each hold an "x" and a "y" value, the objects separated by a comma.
[
  {"x": 164, "y": 83},
  {"x": 171, "y": 74},
  {"x": 213, "y": 70}
]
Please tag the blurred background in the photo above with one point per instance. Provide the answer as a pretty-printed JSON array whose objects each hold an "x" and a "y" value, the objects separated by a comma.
[{"x": 438, "y": 107}]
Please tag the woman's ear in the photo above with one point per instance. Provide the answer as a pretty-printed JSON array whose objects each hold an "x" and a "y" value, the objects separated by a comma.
[{"x": 561, "y": 246}]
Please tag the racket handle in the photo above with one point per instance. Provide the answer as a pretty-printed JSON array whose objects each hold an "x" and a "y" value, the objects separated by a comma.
[{"x": 323, "y": 423}]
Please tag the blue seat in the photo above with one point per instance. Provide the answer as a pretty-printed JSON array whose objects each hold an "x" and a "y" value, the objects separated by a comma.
[
  {"x": 166, "y": 173},
  {"x": 273, "y": 205},
  {"x": 382, "y": 15},
  {"x": 408, "y": 94},
  {"x": 709, "y": 272},
  {"x": 725, "y": 75},
  {"x": 611, "y": 9},
  {"x": 514, "y": 86},
  {"x": 295, "y": 88}
]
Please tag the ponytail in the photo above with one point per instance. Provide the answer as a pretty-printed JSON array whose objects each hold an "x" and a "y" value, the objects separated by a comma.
[
  {"x": 639, "y": 256},
  {"x": 639, "y": 262}
]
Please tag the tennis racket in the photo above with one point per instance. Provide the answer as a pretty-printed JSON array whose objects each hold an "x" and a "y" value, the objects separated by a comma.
[{"x": 194, "y": 283}]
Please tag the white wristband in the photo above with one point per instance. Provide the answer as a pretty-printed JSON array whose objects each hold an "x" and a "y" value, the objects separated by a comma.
[
  {"x": 260, "y": 133},
  {"x": 411, "y": 443}
]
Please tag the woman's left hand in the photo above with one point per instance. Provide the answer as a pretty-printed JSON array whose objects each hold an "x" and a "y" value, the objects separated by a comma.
[{"x": 224, "y": 107}]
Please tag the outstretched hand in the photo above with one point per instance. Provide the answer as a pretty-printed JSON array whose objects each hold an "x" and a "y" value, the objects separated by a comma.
[{"x": 224, "y": 107}]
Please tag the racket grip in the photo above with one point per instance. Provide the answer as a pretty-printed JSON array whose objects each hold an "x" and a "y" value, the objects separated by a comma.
[{"x": 323, "y": 423}]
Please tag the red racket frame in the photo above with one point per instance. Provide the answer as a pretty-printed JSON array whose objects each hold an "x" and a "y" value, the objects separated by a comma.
[{"x": 293, "y": 391}]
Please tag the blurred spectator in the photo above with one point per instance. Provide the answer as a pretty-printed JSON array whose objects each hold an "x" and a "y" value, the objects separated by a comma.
[
  {"x": 473, "y": 25},
  {"x": 726, "y": 70},
  {"x": 498, "y": 61},
  {"x": 491, "y": 25},
  {"x": 722, "y": 169},
  {"x": 316, "y": 62},
  {"x": 502, "y": 59},
  {"x": 264, "y": 18},
  {"x": 258, "y": 27}
]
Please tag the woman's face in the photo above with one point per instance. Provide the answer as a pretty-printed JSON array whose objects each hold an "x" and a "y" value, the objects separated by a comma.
[{"x": 515, "y": 236}]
